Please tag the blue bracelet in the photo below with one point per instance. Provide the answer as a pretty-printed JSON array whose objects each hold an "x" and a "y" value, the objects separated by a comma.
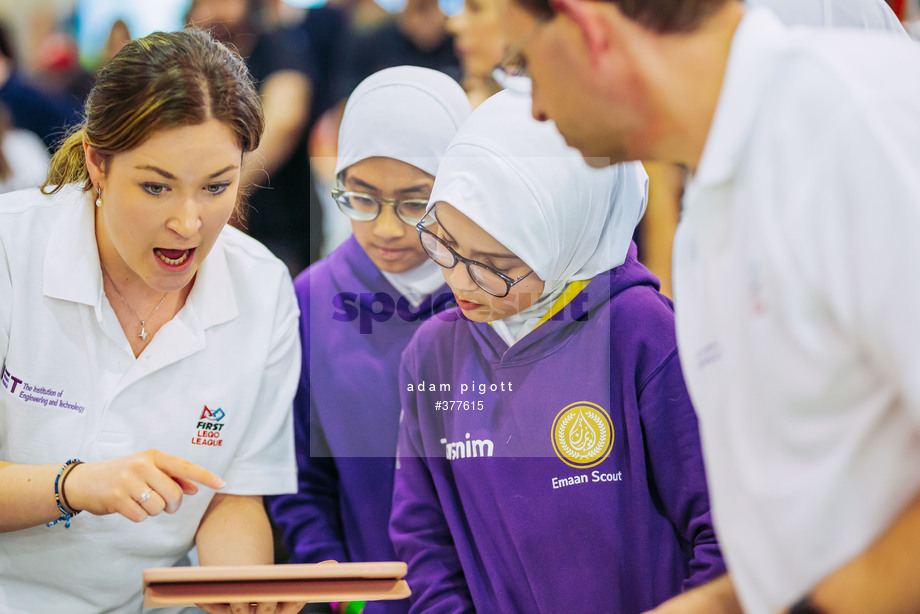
[{"x": 58, "y": 490}]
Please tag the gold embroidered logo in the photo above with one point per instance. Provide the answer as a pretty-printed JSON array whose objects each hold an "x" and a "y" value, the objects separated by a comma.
[{"x": 582, "y": 435}]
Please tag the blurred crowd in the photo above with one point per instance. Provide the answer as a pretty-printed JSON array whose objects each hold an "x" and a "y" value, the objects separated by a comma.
[{"x": 305, "y": 62}]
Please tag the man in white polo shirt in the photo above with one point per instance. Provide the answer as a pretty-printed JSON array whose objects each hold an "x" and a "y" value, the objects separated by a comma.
[{"x": 795, "y": 272}]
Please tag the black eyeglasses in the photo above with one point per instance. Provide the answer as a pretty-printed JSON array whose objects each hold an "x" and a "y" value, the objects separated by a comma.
[
  {"x": 511, "y": 72},
  {"x": 364, "y": 207},
  {"x": 490, "y": 280}
]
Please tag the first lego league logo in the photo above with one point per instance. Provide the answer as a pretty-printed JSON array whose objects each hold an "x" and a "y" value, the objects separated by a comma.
[{"x": 209, "y": 427}]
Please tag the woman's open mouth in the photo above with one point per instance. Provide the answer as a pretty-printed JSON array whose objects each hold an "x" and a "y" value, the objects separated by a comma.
[{"x": 173, "y": 257}]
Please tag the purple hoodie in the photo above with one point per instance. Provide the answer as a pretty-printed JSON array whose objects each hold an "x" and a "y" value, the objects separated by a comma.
[
  {"x": 510, "y": 504},
  {"x": 354, "y": 326}
]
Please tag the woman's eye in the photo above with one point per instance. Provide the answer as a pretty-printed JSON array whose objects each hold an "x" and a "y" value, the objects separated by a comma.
[
  {"x": 154, "y": 189},
  {"x": 217, "y": 188}
]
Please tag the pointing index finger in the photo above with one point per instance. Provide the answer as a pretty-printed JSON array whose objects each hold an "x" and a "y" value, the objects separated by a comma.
[{"x": 181, "y": 470}]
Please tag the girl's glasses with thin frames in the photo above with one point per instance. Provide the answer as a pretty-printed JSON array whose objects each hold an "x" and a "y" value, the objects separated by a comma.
[{"x": 495, "y": 283}]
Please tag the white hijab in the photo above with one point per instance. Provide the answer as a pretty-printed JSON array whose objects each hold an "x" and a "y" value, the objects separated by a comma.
[
  {"x": 409, "y": 114},
  {"x": 517, "y": 179}
]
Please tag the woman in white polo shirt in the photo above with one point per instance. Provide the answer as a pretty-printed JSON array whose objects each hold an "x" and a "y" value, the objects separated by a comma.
[{"x": 143, "y": 336}]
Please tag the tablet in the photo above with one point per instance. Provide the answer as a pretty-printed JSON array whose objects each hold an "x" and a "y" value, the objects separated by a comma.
[{"x": 316, "y": 583}]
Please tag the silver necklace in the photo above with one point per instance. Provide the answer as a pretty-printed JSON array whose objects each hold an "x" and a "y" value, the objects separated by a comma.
[{"x": 143, "y": 334}]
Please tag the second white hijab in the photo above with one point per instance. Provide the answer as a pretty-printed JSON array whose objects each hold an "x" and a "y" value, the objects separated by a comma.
[
  {"x": 517, "y": 179},
  {"x": 409, "y": 114}
]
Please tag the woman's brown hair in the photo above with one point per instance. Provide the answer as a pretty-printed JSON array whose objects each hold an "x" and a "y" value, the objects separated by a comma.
[{"x": 156, "y": 83}]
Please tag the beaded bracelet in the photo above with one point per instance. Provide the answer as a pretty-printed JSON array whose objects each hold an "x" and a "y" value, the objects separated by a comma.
[{"x": 66, "y": 515}]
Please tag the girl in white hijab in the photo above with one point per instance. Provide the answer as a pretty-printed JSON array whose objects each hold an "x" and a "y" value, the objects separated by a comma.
[
  {"x": 396, "y": 126},
  {"x": 359, "y": 308},
  {"x": 535, "y": 196},
  {"x": 546, "y": 430}
]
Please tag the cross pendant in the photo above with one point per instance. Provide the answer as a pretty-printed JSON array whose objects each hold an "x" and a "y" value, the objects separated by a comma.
[{"x": 143, "y": 334}]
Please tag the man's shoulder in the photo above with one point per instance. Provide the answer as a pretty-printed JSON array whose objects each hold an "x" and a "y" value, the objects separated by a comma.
[{"x": 837, "y": 69}]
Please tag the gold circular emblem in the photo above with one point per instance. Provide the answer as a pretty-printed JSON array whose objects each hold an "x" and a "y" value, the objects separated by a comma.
[{"x": 582, "y": 435}]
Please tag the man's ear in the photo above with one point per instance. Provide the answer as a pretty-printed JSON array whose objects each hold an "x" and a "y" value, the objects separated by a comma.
[
  {"x": 591, "y": 22},
  {"x": 94, "y": 164}
]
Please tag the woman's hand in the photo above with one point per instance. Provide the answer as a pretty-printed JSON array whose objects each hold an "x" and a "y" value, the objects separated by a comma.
[
  {"x": 243, "y": 517},
  {"x": 136, "y": 486},
  {"x": 252, "y": 608}
]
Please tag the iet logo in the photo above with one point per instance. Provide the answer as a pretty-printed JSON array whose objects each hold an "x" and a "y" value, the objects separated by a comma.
[{"x": 8, "y": 377}]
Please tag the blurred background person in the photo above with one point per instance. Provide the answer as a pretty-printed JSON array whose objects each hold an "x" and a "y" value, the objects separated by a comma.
[
  {"x": 280, "y": 213},
  {"x": 30, "y": 107},
  {"x": 119, "y": 36},
  {"x": 59, "y": 70},
  {"x": 23, "y": 157},
  {"x": 479, "y": 46},
  {"x": 417, "y": 36},
  {"x": 326, "y": 28}
]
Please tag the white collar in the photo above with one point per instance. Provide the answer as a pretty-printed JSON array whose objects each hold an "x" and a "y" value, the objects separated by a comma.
[
  {"x": 416, "y": 284},
  {"x": 747, "y": 76},
  {"x": 71, "y": 269}
]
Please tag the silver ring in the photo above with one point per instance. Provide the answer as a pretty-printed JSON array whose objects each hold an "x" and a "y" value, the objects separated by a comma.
[{"x": 145, "y": 496}]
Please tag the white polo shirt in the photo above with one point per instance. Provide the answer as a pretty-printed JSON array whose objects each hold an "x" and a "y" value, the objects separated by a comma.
[
  {"x": 71, "y": 388},
  {"x": 797, "y": 285},
  {"x": 867, "y": 14}
]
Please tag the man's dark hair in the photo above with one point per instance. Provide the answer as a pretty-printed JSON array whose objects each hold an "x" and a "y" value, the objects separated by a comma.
[{"x": 662, "y": 16}]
